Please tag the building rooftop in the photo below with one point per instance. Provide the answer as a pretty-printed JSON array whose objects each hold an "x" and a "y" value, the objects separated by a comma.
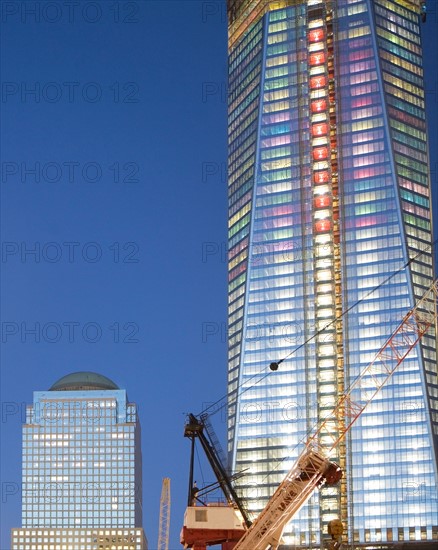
[{"x": 83, "y": 381}]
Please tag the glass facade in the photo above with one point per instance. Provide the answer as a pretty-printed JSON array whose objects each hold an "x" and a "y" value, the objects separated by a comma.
[
  {"x": 329, "y": 198},
  {"x": 81, "y": 468},
  {"x": 81, "y": 539}
]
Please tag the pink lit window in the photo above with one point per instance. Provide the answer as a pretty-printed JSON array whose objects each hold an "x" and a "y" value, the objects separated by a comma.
[
  {"x": 237, "y": 271},
  {"x": 361, "y": 102},
  {"x": 278, "y": 140},
  {"x": 238, "y": 248},
  {"x": 366, "y": 221},
  {"x": 360, "y": 54},
  {"x": 368, "y": 172},
  {"x": 361, "y": 66}
]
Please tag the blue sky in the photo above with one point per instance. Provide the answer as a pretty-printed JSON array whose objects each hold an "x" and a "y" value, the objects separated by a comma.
[{"x": 113, "y": 173}]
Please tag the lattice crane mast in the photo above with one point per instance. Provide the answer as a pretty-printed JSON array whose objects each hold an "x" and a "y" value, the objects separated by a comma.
[
  {"x": 313, "y": 467},
  {"x": 164, "y": 525}
]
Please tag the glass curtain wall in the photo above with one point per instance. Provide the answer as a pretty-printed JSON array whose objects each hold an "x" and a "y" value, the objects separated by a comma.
[{"x": 329, "y": 199}]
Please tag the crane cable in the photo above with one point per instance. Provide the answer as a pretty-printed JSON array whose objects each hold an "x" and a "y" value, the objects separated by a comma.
[
  {"x": 309, "y": 432},
  {"x": 274, "y": 366}
]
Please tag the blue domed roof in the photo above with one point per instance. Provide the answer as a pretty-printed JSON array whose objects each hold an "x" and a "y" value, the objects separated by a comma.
[{"x": 84, "y": 381}]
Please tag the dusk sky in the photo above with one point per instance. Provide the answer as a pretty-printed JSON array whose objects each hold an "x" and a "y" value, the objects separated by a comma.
[{"x": 113, "y": 158}]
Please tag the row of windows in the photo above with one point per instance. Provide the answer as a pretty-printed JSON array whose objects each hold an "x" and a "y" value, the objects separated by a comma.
[
  {"x": 410, "y": 102},
  {"x": 401, "y": 67},
  {"x": 405, "y": 18},
  {"x": 406, "y": 86},
  {"x": 242, "y": 124},
  {"x": 398, "y": 30},
  {"x": 363, "y": 30},
  {"x": 414, "y": 143},
  {"x": 243, "y": 78},
  {"x": 243, "y": 55},
  {"x": 400, "y": 52},
  {"x": 408, "y": 129},
  {"x": 239, "y": 101},
  {"x": 366, "y": 124},
  {"x": 238, "y": 142},
  {"x": 88, "y": 430},
  {"x": 244, "y": 165},
  {"x": 404, "y": 75},
  {"x": 396, "y": 39}
]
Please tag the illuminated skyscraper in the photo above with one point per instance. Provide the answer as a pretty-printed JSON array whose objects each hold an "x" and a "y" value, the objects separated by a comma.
[
  {"x": 330, "y": 232},
  {"x": 82, "y": 482}
]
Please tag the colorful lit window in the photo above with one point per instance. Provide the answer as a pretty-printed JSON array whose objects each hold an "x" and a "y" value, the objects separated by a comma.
[
  {"x": 316, "y": 35},
  {"x": 317, "y": 82},
  {"x": 322, "y": 201},
  {"x": 322, "y": 214},
  {"x": 316, "y": 47},
  {"x": 319, "y": 129},
  {"x": 318, "y": 106},
  {"x": 320, "y": 153},
  {"x": 317, "y": 58},
  {"x": 321, "y": 177},
  {"x": 321, "y": 189},
  {"x": 322, "y": 226}
]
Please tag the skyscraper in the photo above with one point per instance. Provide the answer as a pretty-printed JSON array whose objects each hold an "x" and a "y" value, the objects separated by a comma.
[
  {"x": 330, "y": 233},
  {"x": 82, "y": 480}
]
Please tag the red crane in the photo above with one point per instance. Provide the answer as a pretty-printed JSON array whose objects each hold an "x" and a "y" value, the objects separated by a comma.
[{"x": 313, "y": 468}]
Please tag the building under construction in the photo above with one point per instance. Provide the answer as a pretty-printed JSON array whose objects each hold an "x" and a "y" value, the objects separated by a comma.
[{"x": 330, "y": 244}]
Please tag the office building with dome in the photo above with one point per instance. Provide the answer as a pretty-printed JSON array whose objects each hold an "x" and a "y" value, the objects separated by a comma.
[{"x": 82, "y": 473}]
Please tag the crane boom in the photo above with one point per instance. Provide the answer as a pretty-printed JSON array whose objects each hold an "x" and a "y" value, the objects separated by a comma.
[
  {"x": 362, "y": 391},
  {"x": 313, "y": 468},
  {"x": 214, "y": 440},
  {"x": 163, "y": 530}
]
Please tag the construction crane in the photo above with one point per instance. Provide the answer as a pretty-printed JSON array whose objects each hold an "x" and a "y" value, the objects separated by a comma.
[
  {"x": 313, "y": 468},
  {"x": 231, "y": 520},
  {"x": 164, "y": 525},
  {"x": 202, "y": 430}
]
